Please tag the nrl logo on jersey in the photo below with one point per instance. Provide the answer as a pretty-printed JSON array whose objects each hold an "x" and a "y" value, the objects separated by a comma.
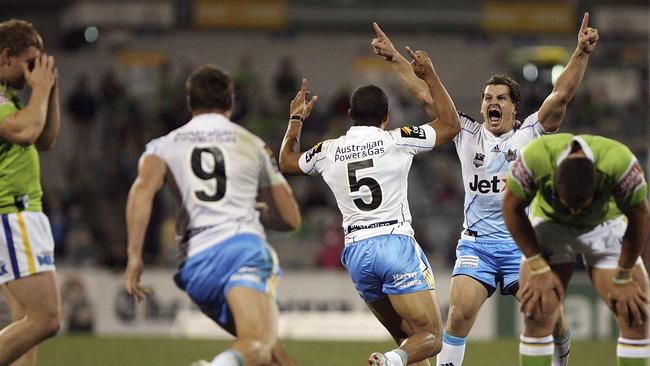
[
  {"x": 313, "y": 151},
  {"x": 511, "y": 155},
  {"x": 479, "y": 159},
  {"x": 413, "y": 132}
]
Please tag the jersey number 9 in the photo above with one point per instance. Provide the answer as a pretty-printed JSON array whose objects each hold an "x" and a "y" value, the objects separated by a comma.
[{"x": 218, "y": 172}]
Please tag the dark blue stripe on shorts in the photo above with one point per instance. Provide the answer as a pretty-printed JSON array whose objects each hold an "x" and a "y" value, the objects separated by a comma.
[{"x": 10, "y": 246}]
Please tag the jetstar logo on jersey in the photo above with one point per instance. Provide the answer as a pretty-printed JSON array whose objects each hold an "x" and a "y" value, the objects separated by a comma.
[
  {"x": 413, "y": 132},
  {"x": 313, "y": 151},
  {"x": 630, "y": 182},
  {"x": 491, "y": 185},
  {"x": 479, "y": 159}
]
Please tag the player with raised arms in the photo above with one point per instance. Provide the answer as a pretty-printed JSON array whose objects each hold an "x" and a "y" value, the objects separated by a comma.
[
  {"x": 487, "y": 256},
  {"x": 589, "y": 197},
  {"x": 216, "y": 171},
  {"x": 367, "y": 171}
]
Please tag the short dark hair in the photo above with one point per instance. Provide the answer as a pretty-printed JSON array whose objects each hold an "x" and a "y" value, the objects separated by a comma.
[
  {"x": 18, "y": 35},
  {"x": 576, "y": 179},
  {"x": 368, "y": 106},
  {"x": 513, "y": 86},
  {"x": 209, "y": 88}
]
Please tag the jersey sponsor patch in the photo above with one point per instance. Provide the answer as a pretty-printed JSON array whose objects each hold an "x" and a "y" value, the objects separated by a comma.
[
  {"x": 467, "y": 261},
  {"x": 521, "y": 175},
  {"x": 629, "y": 183},
  {"x": 413, "y": 132},
  {"x": 511, "y": 155},
  {"x": 478, "y": 160},
  {"x": 313, "y": 151}
]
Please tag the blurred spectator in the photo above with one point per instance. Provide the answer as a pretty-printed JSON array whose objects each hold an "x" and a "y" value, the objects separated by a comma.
[{"x": 285, "y": 82}]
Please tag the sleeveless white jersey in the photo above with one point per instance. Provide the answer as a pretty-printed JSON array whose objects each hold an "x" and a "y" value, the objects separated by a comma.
[
  {"x": 485, "y": 160},
  {"x": 215, "y": 168},
  {"x": 367, "y": 170}
]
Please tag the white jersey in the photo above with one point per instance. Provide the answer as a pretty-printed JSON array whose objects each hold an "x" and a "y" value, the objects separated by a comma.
[
  {"x": 485, "y": 160},
  {"x": 367, "y": 170},
  {"x": 215, "y": 168}
]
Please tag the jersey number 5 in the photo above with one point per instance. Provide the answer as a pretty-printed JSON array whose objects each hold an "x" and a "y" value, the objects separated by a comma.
[
  {"x": 218, "y": 172},
  {"x": 355, "y": 185}
]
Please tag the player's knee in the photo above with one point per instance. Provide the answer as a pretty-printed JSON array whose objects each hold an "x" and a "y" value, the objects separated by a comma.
[
  {"x": 437, "y": 344},
  {"x": 459, "y": 318}
]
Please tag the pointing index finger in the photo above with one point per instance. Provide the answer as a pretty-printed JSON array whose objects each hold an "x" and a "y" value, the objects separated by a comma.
[
  {"x": 380, "y": 33},
  {"x": 410, "y": 52},
  {"x": 585, "y": 22}
]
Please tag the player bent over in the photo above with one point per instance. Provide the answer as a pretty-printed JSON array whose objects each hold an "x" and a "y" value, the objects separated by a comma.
[
  {"x": 588, "y": 197},
  {"x": 216, "y": 171},
  {"x": 367, "y": 171},
  {"x": 27, "y": 278}
]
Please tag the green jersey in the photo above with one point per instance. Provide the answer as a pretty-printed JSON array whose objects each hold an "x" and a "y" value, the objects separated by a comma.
[
  {"x": 20, "y": 177},
  {"x": 621, "y": 181}
]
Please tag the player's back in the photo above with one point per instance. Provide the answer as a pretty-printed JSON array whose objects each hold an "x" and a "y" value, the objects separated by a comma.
[
  {"x": 367, "y": 170},
  {"x": 214, "y": 170}
]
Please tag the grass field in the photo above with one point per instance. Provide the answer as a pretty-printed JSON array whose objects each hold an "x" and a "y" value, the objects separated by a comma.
[{"x": 96, "y": 351}]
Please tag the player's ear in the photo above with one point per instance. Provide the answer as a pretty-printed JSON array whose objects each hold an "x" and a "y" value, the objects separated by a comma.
[{"x": 4, "y": 56}]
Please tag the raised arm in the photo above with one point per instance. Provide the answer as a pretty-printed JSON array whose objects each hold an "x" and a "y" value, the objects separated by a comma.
[
  {"x": 382, "y": 46},
  {"x": 300, "y": 110},
  {"x": 151, "y": 176},
  {"x": 552, "y": 111},
  {"x": 26, "y": 125},
  {"x": 446, "y": 124},
  {"x": 50, "y": 133}
]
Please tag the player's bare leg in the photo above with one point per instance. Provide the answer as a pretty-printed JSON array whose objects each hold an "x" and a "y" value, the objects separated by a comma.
[
  {"x": 17, "y": 313},
  {"x": 256, "y": 320},
  {"x": 634, "y": 344},
  {"x": 467, "y": 297},
  {"x": 280, "y": 357},
  {"x": 38, "y": 296},
  {"x": 536, "y": 344},
  {"x": 414, "y": 322}
]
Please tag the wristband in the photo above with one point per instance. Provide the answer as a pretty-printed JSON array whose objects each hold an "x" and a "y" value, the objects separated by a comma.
[
  {"x": 623, "y": 276},
  {"x": 297, "y": 117},
  {"x": 538, "y": 265}
]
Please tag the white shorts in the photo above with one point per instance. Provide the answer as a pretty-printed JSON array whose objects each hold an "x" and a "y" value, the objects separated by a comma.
[
  {"x": 600, "y": 247},
  {"x": 26, "y": 245}
]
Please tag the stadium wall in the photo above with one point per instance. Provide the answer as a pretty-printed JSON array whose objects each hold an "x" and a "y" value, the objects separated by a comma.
[{"x": 315, "y": 305}]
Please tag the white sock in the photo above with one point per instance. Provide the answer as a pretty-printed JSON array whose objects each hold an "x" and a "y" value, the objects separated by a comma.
[
  {"x": 453, "y": 351},
  {"x": 229, "y": 357},
  {"x": 397, "y": 357},
  {"x": 561, "y": 349}
]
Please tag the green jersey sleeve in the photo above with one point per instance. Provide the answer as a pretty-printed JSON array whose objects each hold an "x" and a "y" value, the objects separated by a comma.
[
  {"x": 629, "y": 186},
  {"x": 7, "y": 107}
]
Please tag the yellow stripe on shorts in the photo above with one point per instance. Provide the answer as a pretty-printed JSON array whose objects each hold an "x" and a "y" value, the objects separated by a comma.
[{"x": 28, "y": 248}]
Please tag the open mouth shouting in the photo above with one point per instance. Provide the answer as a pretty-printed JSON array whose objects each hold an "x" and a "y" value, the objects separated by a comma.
[{"x": 494, "y": 114}]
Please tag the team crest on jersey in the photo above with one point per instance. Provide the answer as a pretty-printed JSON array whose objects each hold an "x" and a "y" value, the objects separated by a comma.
[
  {"x": 479, "y": 159},
  {"x": 496, "y": 148},
  {"x": 511, "y": 155},
  {"x": 313, "y": 151},
  {"x": 413, "y": 132}
]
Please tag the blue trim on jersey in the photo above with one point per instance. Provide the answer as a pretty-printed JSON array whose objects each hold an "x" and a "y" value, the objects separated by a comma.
[
  {"x": 453, "y": 340},
  {"x": 420, "y": 147},
  {"x": 10, "y": 246},
  {"x": 530, "y": 126},
  {"x": 472, "y": 132}
]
